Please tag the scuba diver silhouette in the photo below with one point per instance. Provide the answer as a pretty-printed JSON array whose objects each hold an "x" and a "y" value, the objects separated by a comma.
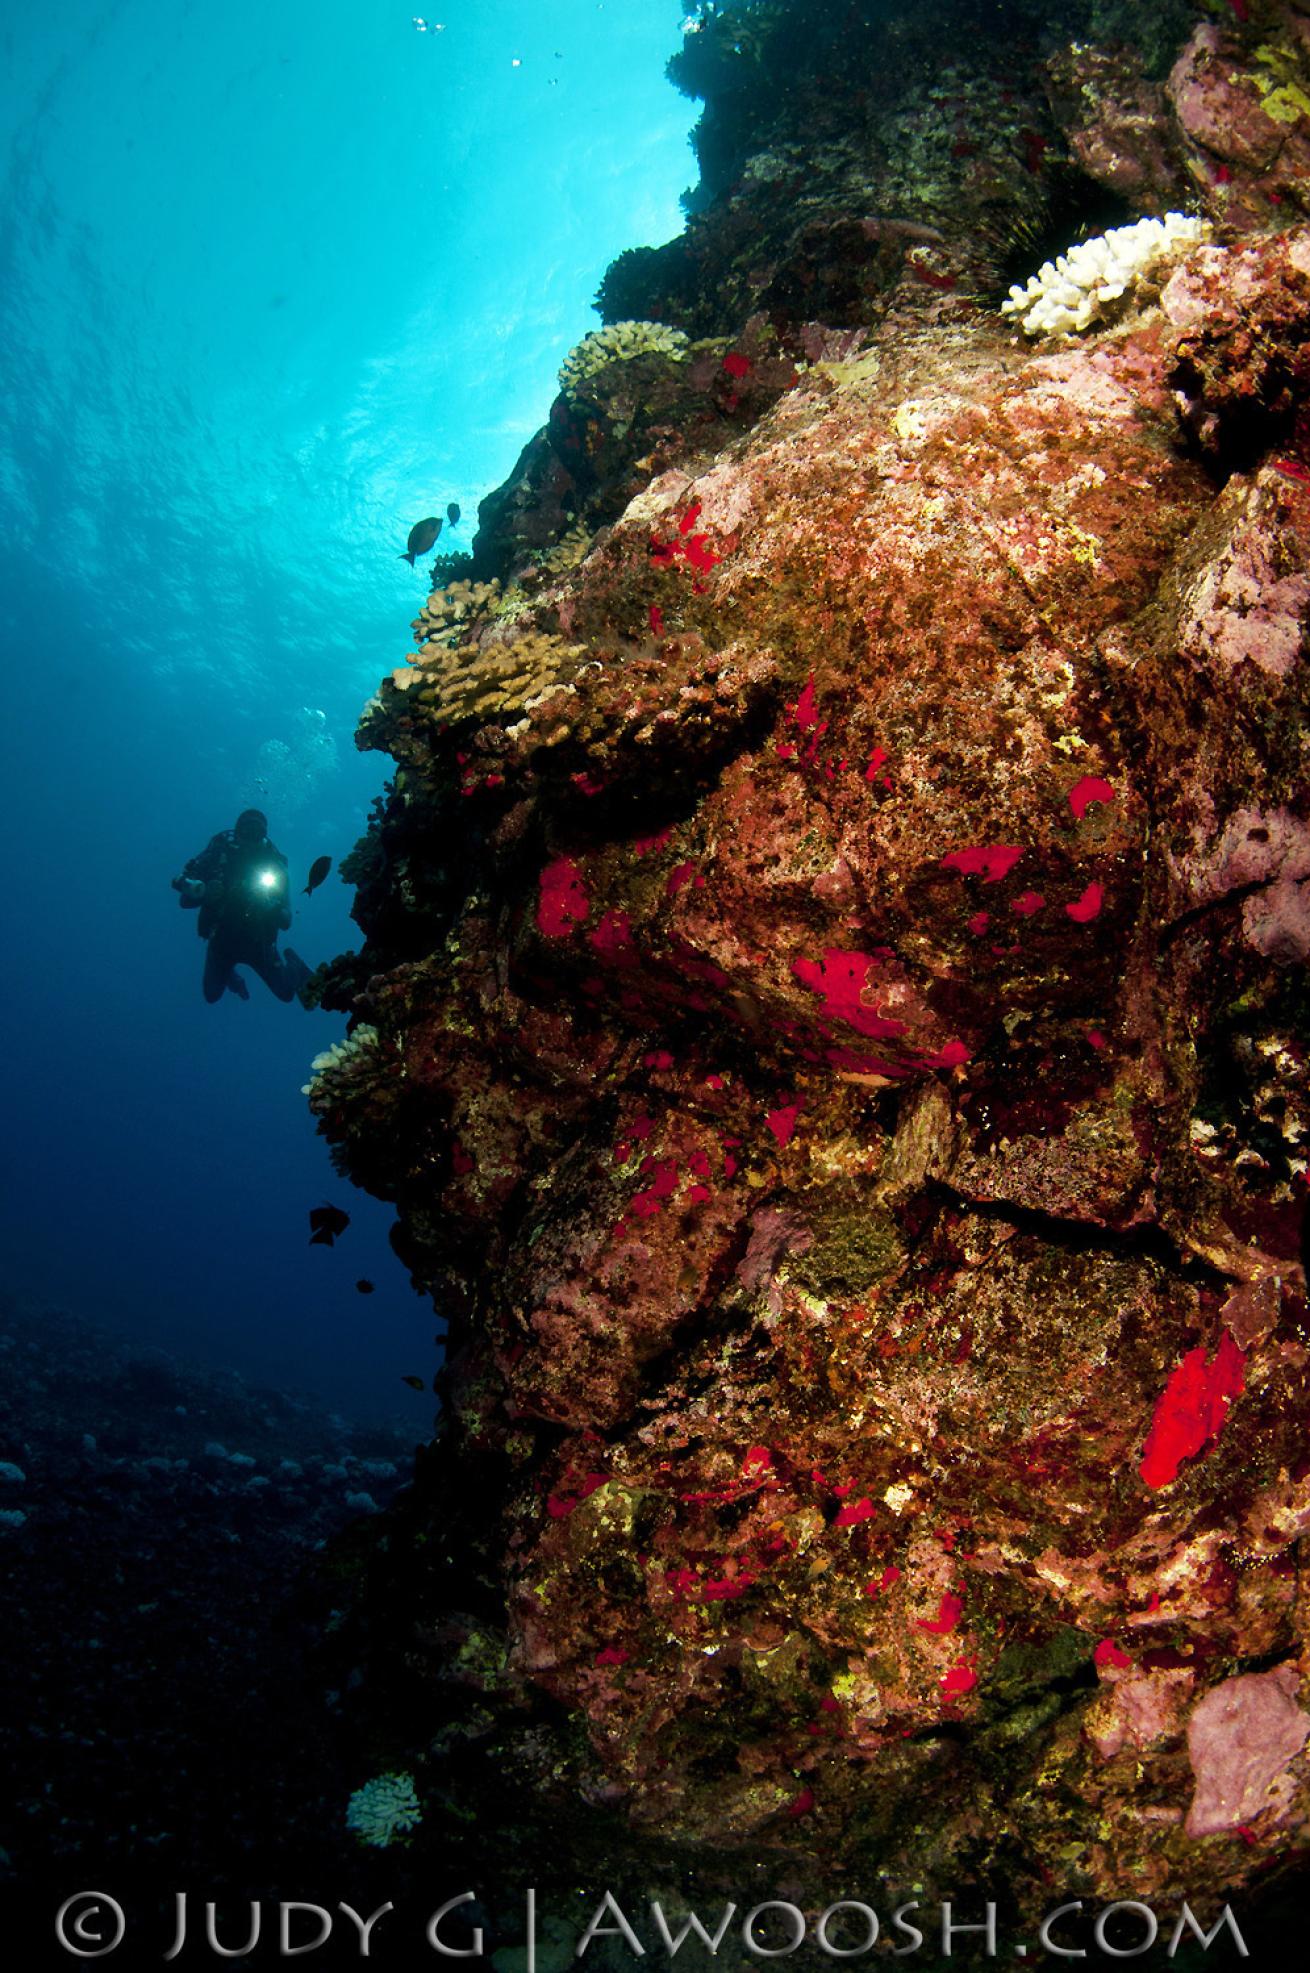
[{"x": 239, "y": 885}]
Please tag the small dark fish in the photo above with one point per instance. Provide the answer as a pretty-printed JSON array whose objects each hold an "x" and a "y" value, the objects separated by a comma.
[
  {"x": 421, "y": 537},
  {"x": 318, "y": 870},
  {"x": 327, "y": 1222},
  {"x": 364, "y": 1287},
  {"x": 415, "y": 1383},
  {"x": 452, "y": 513}
]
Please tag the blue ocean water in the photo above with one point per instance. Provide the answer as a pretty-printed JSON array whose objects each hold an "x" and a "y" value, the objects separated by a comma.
[{"x": 275, "y": 281}]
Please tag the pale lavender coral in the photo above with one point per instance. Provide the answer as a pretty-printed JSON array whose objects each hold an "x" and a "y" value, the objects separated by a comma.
[
  {"x": 1249, "y": 604},
  {"x": 1240, "y": 1739},
  {"x": 1265, "y": 852}
]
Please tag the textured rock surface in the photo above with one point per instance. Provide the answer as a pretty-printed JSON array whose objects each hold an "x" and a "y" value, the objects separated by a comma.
[{"x": 842, "y": 1026}]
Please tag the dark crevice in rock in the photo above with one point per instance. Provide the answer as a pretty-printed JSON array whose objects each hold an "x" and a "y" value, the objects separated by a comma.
[{"x": 1150, "y": 1242}]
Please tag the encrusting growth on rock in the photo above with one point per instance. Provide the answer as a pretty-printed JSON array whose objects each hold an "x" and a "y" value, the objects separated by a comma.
[{"x": 838, "y": 943}]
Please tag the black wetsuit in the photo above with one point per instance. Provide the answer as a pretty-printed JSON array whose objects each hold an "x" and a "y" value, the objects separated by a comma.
[{"x": 241, "y": 919}]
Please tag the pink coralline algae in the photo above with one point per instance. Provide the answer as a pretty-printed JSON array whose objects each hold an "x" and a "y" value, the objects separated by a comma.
[
  {"x": 663, "y": 1176},
  {"x": 562, "y": 902},
  {"x": 1240, "y": 1739},
  {"x": 1092, "y": 788},
  {"x": 840, "y": 979},
  {"x": 1088, "y": 906},
  {"x": 990, "y": 863},
  {"x": 1192, "y": 1409},
  {"x": 560, "y": 1505},
  {"x": 891, "y": 1574},
  {"x": 949, "y": 1612},
  {"x": 851, "y": 1516},
  {"x": 612, "y": 938},
  {"x": 782, "y": 1122}
]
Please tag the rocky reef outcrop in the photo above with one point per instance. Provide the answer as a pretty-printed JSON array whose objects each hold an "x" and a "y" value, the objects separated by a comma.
[{"x": 834, "y": 986}]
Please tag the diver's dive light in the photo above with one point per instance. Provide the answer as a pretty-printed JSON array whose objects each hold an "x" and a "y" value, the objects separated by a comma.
[{"x": 268, "y": 880}]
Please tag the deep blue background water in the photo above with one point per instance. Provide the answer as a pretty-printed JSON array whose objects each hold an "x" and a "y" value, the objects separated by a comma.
[{"x": 275, "y": 281}]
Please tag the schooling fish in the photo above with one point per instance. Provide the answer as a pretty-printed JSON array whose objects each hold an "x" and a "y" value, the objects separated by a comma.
[
  {"x": 318, "y": 870},
  {"x": 421, "y": 537},
  {"x": 452, "y": 513},
  {"x": 364, "y": 1287},
  {"x": 327, "y": 1222}
]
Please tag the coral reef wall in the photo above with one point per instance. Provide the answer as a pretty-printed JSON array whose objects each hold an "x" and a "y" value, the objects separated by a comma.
[{"x": 835, "y": 990}]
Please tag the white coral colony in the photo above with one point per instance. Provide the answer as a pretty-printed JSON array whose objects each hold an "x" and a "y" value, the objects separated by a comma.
[
  {"x": 617, "y": 344},
  {"x": 1076, "y": 288}
]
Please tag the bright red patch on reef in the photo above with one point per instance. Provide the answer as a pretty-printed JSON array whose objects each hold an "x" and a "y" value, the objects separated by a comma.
[
  {"x": 783, "y": 1122},
  {"x": 663, "y": 1174},
  {"x": 562, "y": 902},
  {"x": 1092, "y": 788},
  {"x": 612, "y": 1655},
  {"x": 688, "y": 520},
  {"x": 953, "y": 1055},
  {"x": 922, "y": 272},
  {"x": 1191, "y": 1409},
  {"x": 979, "y": 922},
  {"x": 840, "y": 979},
  {"x": 612, "y": 938},
  {"x": 804, "y": 713},
  {"x": 1088, "y": 905},
  {"x": 802, "y": 1804},
  {"x": 1108, "y": 1653},
  {"x": 644, "y": 845},
  {"x": 891, "y": 1574},
  {"x": 1027, "y": 903},
  {"x": 722, "y": 1589},
  {"x": 561, "y": 1504},
  {"x": 1293, "y": 470},
  {"x": 991, "y": 861},
  {"x": 657, "y": 620},
  {"x": 1034, "y": 147},
  {"x": 948, "y": 1616},
  {"x": 859, "y": 1510},
  {"x": 700, "y": 555},
  {"x": 960, "y": 1678},
  {"x": 736, "y": 364}
]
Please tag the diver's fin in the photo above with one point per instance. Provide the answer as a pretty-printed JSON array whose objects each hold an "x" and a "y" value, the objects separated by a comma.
[{"x": 296, "y": 967}]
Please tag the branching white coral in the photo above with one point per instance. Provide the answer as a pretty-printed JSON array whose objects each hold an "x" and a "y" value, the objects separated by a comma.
[
  {"x": 1079, "y": 286},
  {"x": 340, "y": 1055},
  {"x": 383, "y": 1809},
  {"x": 618, "y": 344}
]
